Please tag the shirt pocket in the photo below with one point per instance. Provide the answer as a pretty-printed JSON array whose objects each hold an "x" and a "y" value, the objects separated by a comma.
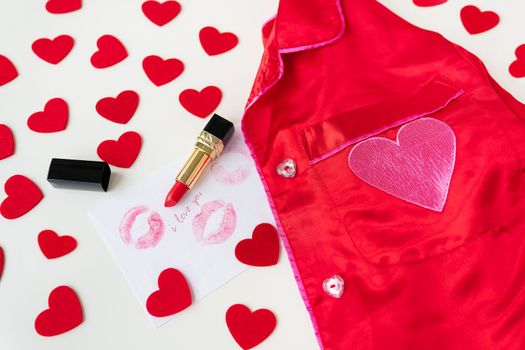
[{"x": 416, "y": 175}]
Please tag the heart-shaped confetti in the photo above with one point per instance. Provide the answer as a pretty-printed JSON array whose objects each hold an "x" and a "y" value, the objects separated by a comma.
[
  {"x": 110, "y": 52},
  {"x": 53, "y": 50},
  {"x": 249, "y": 329},
  {"x": 173, "y": 295},
  {"x": 428, "y": 3},
  {"x": 215, "y": 42},
  {"x": 2, "y": 260},
  {"x": 7, "y": 142},
  {"x": 53, "y": 118},
  {"x": 54, "y": 246},
  {"x": 22, "y": 196},
  {"x": 161, "y": 71},
  {"x": 260, "y": 250},
  {"x": 476, "y": 21},
  {"x": 161, "y": 13},
  {"x": 64, "y": 313},
  {"x": 119, "y": 109},
  {"x": 201, "y": 103},
  {"x": 123, "y": 152},
  {"x": 8, "y": 70},
  {"x": 63, "y": 6},
  {"x": 517, "y": 68}
]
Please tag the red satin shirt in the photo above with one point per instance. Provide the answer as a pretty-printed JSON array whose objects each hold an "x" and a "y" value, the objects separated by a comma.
[{"x": 335, "y": 74}]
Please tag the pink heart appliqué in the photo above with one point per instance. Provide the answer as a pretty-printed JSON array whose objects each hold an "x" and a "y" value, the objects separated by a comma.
[{"x": 416, "y": 168}]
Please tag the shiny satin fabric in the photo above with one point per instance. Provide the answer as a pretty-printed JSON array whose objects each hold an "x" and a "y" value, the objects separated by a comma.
[{"x": 414, "y": 278}]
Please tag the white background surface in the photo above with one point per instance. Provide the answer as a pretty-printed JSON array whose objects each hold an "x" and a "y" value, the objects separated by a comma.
[{"x": 113, "y": 317}]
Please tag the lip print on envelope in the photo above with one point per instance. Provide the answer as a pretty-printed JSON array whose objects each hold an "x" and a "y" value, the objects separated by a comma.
[
  {"x": 209, "y": 217},
  {"x": 148, "y": 238}
]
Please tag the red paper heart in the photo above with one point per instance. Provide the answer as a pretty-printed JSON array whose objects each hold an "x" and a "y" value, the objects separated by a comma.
[
  {"x": 215, "y": 42},
  {"x": 54, "y": 246},
  {"x": 161, "y": 13},
  {"x": 173, "y": 295},
  {"x": 64, "y": 313},
  {"x": 110, "y": 52},
  {"x": 203, "y": 103},
  {"x": 427, "y": 3},
  {"x": 53, "y": 51},
  {"x": 53, "y": 118},
  {"x": 260, "y": 250},
  {"x": 517, "y": 68},
  {"x": 63, "y": 6},
  {"x": 123, "y": 152},
  {"x": 8, "y": 70},
  {"x": 2, "y": 259},
  {"x": 22, "y": 196},
  {"x": 161, "y": 71},
  {"x": 249, "y": 329},
  {"x": 7, "y": 142},
  {"x": 119, "y": 109},
  {"x": 476, "y": 21}
]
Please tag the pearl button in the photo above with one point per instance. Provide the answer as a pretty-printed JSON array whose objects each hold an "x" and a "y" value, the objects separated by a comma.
[
  {"x": 334, "y": 286},
  {"x": 287, "y": 168}
]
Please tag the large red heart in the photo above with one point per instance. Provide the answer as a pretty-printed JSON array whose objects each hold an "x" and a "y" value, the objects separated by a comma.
[
  {"x": 7, "y": 142},
  {"x": 64, "y": 313},
  {"x": 215, "y": 42},
  {"x": 476, "y": 21},
  {"x": 173, "y": 296},
  {"x": 110, "y": 52},
  {"x": 161, "y": 13},
  {"x": 427, "y": 3},
  {"x": 517, "y": 68},
  {"x": 63, "y": 6},
  {"x": 54, "y": 246},
  {"x": 249, "y": 329},
  {"x": 8, "y": 70},
  {"x": 202, "y": 103},
  {"x": 260, "y": 250},
  {"x": 22, "y": 196},
  {"x": 55, "y": 50},
  {"x": 119, "y": 109},
  {"x": 1, "y": 261},
  {"x": 123, "y": 152},
  {"x": 161, "y": 71},
  {"x": 53, "y": 118}
]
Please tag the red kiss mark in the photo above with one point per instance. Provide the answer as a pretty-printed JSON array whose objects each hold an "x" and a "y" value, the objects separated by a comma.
[
  {"x": 54, "y": 246},
  {"x": 517, "y": 68},
  {"x": 53, "y": 118},
  {"x": 161, "y": 71},
  {"x": 119, "y": 109},
  {"x": 428, "y": 3},
  {"x": 123, "y": 152},
  {"x": 7, "y": 142},
  {"x": 63, "y": 6},
  {"x": 249, "y": 329},
  {"x": 203, "y": 103},
  {"x": 2, "y": 259},
  {"x": 111, "y": 51},
  {"x": 161, "y": 13},
  {"x": 476, "y": 21},
  {"x": 260, "y": 250},
  {"x": 8, "y": 70},
  {"x": 64, "y": 313},
  {"x": 55, "y": 50},
  {"x": 173, "y": 295},
  {"x": 22, "y": 196},
  {"x": 215, "y": 42}
]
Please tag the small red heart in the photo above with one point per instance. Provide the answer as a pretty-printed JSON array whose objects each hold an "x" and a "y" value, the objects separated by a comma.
[
  {"x": 476, "y": 21},
  {"x": 54, "y": 246},
  {"x": 2, "y": 259},
  {"x": 7, "y": 142},
  {"x": 215, "y": 42},
  {"x": 64, "y": 313},
  {"x": 249, "y": 329},
  {"x": 110, "y": 52},
  {"x": 173, "y": 295},
  {"x": 517, "y": 68},
  {"x": 8, "y": 70},
  {"x": 203, "y": 103},
  {"x": 55, "y": 50},
  {"x": 161, "y": 13},
  {"x": 22, "y": 196},
  {"x": 119, "y": 109},
  {"x": 161, "y": 71},
  {"x": 53, "y": 118},
  {"x": 63, "y": 6},
  {"x": 260, "y": 250},
  {"x": 123, "y": 152},
  {"x": 427, "y": 3}
]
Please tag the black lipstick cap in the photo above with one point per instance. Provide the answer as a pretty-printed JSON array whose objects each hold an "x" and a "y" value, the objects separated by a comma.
[
  {"x": 79, "y": 174},
  {"x": 220, "y": 128}
]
